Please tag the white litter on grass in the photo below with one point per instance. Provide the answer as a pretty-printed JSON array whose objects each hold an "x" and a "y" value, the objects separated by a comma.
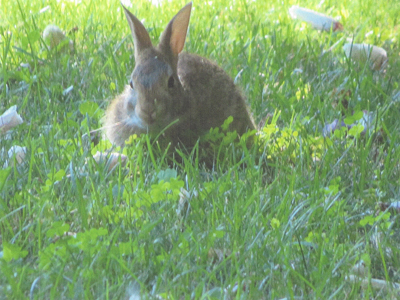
[
  {"x": 317, "y": 20},
  {"x": 363, "y": 52},
  {"x": 377, "y": 284},
  {"x": 53, "y": 36},
  {"x": 67, "y": 90},
  {"x": 133, "y": 291},
  {"x": 126, "y": 3},
  {"x": 16, "y": 152},
  {"x": 10, "y": 119},
  {"x": 44, "y": 9},
  {"x": 360, "y": 269},
  {"x": 111, "y": 158}
]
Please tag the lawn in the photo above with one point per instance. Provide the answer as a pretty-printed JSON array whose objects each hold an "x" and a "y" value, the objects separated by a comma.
[{"x": 306, "y": 213}]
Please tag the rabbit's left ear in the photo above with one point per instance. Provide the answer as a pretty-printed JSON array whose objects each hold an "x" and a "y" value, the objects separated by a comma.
[{"x": 174, "y": 36}]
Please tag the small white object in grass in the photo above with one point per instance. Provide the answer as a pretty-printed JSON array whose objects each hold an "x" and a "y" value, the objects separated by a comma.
[
  {"x": 133, "y": 291},
  {"x": 367, "y": 120},
  {"x": 111, "y": 158},
  {"x": 15, "y": 151},
  {"x": 67, "y": 90},
  {"x": 10, "y": 119},
  {"x": 44, "y": 9},
  {"x": 317, "y": 20},
  {"x": 377, "y": 284},
  {"x": 396, "y": 206},
  {"x": 297, "y": 71},
  {"x": 363, "y": 52},
  {"x": 126, "y": 3},
  {"x": 183, "y": 204},
  {"x": 53, "y": 36},
  {"x": 360, "y": 269},
  {"x": 26, "y": 66}
]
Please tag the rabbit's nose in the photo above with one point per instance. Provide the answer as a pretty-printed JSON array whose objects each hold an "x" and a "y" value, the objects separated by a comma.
[{"x": 149, "y": 113}]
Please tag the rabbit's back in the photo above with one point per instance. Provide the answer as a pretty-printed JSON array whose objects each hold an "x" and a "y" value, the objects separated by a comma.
[{"x": 213, "y": 95}]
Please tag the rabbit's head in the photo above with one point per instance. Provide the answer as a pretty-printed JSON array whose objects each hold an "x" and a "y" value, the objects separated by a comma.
[{"x": 160, "y": 95}]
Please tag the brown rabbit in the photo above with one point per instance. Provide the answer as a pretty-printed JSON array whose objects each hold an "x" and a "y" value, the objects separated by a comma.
[{"x": 167, "y": 87}]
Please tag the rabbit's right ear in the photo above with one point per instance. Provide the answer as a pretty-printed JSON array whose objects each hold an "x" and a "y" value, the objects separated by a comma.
[
  {"x": 174, "y": 36},
  {"x": 141, "y": 38}
]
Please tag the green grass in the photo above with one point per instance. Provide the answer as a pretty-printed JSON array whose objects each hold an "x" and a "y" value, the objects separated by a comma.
[{"x": 292, "y": 228}]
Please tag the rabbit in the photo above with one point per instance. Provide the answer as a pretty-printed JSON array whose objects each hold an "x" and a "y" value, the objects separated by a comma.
[{"x": 178, "y": 94}]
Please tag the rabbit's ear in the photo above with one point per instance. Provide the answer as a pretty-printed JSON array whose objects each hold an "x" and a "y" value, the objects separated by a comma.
[
  {"x": 141, "y": 38},
  {"x": 174, "y": 36}
]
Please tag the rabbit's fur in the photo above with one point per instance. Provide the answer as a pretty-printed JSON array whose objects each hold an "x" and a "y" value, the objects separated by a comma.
[{"x": 169, "y": 87}]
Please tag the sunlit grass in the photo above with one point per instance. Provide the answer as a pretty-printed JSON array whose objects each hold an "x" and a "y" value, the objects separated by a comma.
[{"x": 292, "y": 225}]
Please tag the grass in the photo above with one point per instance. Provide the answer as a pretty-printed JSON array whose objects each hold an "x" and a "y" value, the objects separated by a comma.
[{"x": 294, "y": 229}]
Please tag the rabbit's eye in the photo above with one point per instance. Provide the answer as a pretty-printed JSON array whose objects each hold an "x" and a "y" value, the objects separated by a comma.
[
  {"x": 131, "y": 84},
  {"x": 171, "y": 82}
]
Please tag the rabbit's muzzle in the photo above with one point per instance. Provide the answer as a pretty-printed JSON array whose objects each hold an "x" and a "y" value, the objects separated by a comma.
[{"x": 147, "y": 113}]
